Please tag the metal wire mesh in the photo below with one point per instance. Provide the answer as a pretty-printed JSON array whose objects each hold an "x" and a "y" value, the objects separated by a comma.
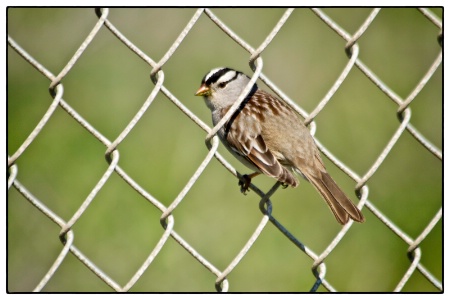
[{"x": 169, "y": 205}]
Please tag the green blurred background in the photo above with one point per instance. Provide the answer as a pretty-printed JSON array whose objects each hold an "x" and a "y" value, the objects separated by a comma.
[{"x": 119, "y": 229}]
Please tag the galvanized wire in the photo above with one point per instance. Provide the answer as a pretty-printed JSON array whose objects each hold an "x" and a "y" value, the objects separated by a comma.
[{"x": 167, "y": 219}]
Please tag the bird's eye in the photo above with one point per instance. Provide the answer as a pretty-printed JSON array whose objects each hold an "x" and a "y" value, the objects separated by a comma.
[{"x": 222, "y": 85}]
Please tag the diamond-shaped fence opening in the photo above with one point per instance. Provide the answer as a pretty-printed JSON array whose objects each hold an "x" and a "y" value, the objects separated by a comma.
[{"x": 117, "y": 182}]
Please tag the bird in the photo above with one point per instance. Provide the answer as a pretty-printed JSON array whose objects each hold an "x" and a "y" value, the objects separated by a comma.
[{"x": 269, "y": 137}]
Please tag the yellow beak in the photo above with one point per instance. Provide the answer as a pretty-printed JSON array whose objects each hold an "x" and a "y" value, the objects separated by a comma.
[{"x": 203, "y": 91}]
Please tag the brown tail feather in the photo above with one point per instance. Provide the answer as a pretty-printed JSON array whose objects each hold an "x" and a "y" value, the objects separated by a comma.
[{"x": 341, "y": 206}]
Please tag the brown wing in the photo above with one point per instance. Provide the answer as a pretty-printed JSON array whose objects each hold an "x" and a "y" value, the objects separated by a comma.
[{"x": 248, "y": 143}]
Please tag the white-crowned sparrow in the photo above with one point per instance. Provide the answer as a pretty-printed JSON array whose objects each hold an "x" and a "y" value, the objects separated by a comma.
[{"x": 269, "y": 137}]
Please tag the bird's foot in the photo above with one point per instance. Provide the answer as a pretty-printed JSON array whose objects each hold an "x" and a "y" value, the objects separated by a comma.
[{"x": 244, "y": 183}]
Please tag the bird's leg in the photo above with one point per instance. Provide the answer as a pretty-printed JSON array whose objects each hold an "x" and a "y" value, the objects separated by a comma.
[
  {"x": 245, "y": 181},
  {"x": 284, "y": 185}
]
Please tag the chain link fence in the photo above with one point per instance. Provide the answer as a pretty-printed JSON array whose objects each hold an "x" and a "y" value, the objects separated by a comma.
[{"x": 164, "y": 214}]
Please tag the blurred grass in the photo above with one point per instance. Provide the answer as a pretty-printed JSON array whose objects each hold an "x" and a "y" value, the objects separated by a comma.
[{"x": 109, "y": 84}]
